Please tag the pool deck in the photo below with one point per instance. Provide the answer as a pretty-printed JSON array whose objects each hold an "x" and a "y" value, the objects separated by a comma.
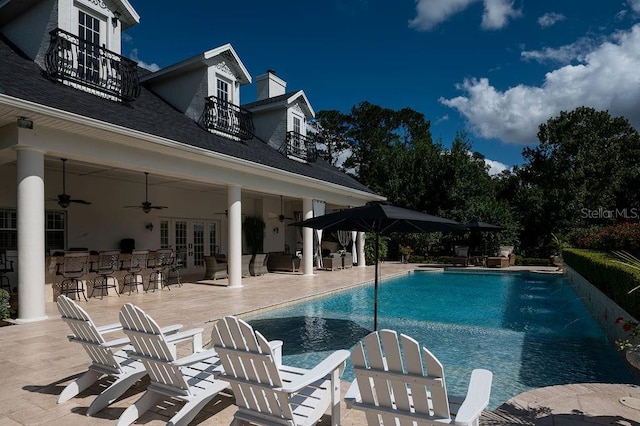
[{"x": 38, "y": 361}]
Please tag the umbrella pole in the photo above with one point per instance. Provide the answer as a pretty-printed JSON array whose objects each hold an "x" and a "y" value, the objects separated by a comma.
[{"x": 375, "y": 286}]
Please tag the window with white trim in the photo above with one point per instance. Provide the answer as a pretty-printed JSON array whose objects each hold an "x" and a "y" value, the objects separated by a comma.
[
  {"x": 89, "y": 53},
  {"x": 55, "y": 223}
]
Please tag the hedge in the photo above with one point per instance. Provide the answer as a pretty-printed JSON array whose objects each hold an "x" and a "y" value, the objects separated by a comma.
[{"x": 614, "y": 279}]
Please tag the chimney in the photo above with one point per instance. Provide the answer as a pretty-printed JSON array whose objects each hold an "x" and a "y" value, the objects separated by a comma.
[{"x": 269, "y": 85}]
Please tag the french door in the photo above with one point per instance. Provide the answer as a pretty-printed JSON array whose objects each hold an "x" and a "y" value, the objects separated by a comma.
[{"x": 193, "y": 239}]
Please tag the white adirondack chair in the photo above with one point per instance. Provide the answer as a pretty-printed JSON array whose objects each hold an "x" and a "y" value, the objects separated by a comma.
[
  {"x": 107, "y": 357},
  {"x": 391, "y": 393},
  {"x": 268, "y": 393},
  {"x": 191, "y": 379}
]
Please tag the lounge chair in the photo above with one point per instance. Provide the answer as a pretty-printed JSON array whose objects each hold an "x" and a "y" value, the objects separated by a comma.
[
  {"x": 214, "y": 269},
  {"x": 392, "y": 385},
  {"x": 283, "y": 262},
  {"x": 268, "y": 393},
  {"x": 461, "y": 255},
  {"x": 504, "y": 259},
  {"x": 191, "y": 379},
  {"x": 107, "y": 357}
]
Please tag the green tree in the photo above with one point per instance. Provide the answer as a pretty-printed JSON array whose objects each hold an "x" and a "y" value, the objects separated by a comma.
[
  {"x": 331, "y": 135},
  {"x": 586, "y": 161}
]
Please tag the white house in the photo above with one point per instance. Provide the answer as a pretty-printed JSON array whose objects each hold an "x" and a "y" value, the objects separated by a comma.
[{"x": 167, "y": 158}]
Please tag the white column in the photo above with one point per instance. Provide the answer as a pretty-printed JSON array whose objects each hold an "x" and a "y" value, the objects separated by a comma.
[
  {"x": 234, "y": 195},
  {"x": 361, "y": 261},
  {"x": 31, "y": 256},
  {"x": 307, "y": 238}
]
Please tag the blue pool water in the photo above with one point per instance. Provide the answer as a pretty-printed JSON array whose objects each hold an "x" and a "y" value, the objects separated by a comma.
[{"x": 530, "y": 330}]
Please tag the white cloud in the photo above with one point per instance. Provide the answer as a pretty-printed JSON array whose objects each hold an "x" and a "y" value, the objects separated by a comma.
[
  {"x": 430, "y": 13},
  {"x": 495, "y": 167},
  {"x": 126, "y": 38},
  {"x": 151, "y": 67},
  {"x": 443, "y": 118},
  {"x": 497, "y": 13},
  {"x": 635, "y": 5},
  {"x": 549, "y": 19},
  {"x": 433, "y": 12},
  {"x": 606, "y": 80},
  {"x": 563, "y": 54}
]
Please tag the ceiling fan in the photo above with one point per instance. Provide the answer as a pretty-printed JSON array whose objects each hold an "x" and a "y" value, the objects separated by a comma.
[
  {"x": 146, "y": 206},
  {"x": 64, "y": 199},
  {"x": 281, "y": 216}
]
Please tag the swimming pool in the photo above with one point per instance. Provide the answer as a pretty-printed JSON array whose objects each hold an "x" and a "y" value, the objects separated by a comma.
[{"x": 530, "y": 330}]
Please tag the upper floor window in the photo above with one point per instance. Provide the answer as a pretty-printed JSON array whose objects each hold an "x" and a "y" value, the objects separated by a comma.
[
  {"x": 89, "y": 52},
  {"x": 223, "y": 90},
  {"x": 296, "y": 125}
]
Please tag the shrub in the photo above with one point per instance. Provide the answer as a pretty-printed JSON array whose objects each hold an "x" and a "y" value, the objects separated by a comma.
[
  {"x": 607, "y": 274},
  {"x": 621, "y": 236},
  {"x": 532, "y": 261},
  {"x": 369, "y": 248},
  {"x": 5, "y": 307}
]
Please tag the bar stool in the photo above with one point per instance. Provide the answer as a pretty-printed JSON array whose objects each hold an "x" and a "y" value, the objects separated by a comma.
[
  {"x": 137, "y": 264},
  {"x": 74, "y": 269},
  {"x": 160, "y": 270},
  {"x": 108, "y": 263}
]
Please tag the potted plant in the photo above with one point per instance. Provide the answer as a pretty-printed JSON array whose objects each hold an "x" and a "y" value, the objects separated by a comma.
[
  {"x": 630, "y": 326},
  {"x": 405, "y": 251},
  {"x": 253, "y": 227},
  {"x": 558, "y": 244}
]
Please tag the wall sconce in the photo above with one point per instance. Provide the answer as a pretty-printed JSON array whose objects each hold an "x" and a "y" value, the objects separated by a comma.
[
  {"x": 149, "y": 226},
  {"x": 115, "y": 18},
  {"x": 25, "y": 123},
  {"x": 276, "y": 230}
]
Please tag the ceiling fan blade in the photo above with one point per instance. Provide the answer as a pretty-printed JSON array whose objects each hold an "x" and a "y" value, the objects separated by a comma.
[
  {"x": 158, "y": 207},
  {"x": 80, "y": 202}
]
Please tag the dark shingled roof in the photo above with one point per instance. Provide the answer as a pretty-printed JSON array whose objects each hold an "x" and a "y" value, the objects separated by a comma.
[
  {"x": 271, "y": 100},
  {"x": 22, "y": 78}
]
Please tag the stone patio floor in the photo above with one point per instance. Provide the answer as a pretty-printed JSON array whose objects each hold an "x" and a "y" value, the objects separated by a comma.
[{"x": 38, "y": 361}]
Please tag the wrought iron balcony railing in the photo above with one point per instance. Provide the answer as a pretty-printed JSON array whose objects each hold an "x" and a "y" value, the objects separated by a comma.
[
  {"x": 302, "y": 147},
  {"x": 87, "y": 65},
  {"x": 228, "y": 118}
]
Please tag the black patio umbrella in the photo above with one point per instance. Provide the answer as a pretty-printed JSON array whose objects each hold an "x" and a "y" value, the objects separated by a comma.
[
  {"x": 479, "y": 227},
  {"x": 483, "y": 226},
  {"x": 380, "y": 219}
]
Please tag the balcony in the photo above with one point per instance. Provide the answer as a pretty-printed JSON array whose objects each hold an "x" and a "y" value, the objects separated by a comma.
[
  {"x": 90, "y": 67},
  {"x": 300, "y": 146},
  {"x": 223, "y": 116}
]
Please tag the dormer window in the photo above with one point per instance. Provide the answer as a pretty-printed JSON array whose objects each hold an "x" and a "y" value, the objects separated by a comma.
[{"x": 223, "y": 90}]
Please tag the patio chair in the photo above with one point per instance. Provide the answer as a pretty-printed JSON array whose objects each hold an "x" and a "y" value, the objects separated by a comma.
[
  {"x": 461, "y": 255},
  {"x": 159, "y": 277},
  {"x": 191, "y": 379},
  {"x": 74, "y": 270},
  {"x": 137, "y": 264},
  {"x": 246, "y": 261},
  {"x": 107, "y": 264},
  {"x": 107, "y": 357},
  {"x": 214, "y": 269},
  {"x": 332, "y": 261},
  {"x": 392, "y": 385},
  {"x": 504, "y": 259},
  {"x": 258, "y": 265},
  {"x": 269, "y": 393}
]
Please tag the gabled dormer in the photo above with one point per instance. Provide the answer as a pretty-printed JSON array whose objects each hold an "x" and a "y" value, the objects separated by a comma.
[
  {"x": 281, "y": 118},
  {"x": 206, "y": 88},
  {"x": 77, "y": 42}
]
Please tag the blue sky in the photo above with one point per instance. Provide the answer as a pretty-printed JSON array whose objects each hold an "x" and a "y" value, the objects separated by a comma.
[{"x": 493, "y": 68}]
